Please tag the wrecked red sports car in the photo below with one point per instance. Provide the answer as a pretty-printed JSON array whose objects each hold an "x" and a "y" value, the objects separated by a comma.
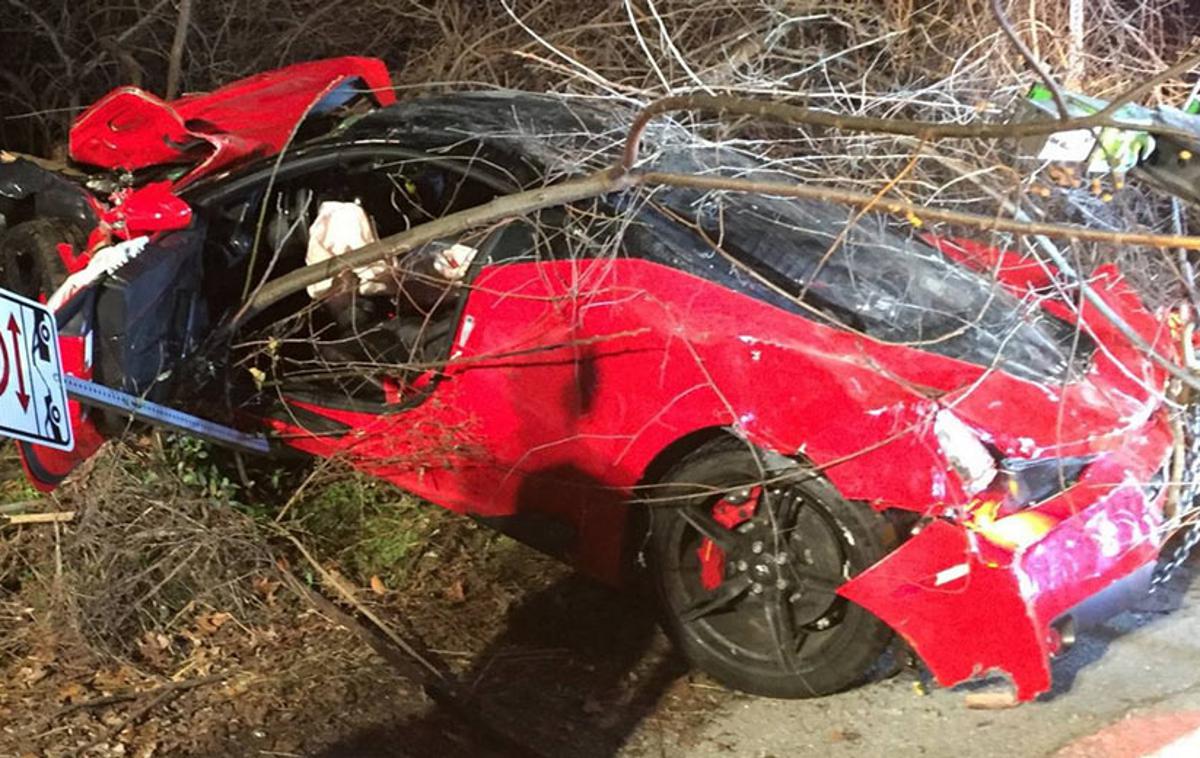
[{"x": 808, "y": 431}]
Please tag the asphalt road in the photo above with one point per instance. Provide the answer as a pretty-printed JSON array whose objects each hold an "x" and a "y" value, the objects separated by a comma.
[{"x": 1119, "y": 680}]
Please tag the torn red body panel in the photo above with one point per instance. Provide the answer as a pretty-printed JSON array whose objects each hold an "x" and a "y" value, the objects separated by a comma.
[
  {"x": 131, "y": 129},
  {"x": 963, "y": 616},
  {"x": 969, "y": 599},
  {"x": 974, "y": 599}
]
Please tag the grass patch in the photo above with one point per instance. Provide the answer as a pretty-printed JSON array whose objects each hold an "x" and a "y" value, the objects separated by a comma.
[
  {"x": 365, "y": 526},
  {"x": 14, "y": 486},
  {"x": 369, "y": 526}
]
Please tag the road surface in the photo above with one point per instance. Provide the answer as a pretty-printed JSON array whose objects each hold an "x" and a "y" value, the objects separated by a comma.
[{"x": 1126, "y": 689}]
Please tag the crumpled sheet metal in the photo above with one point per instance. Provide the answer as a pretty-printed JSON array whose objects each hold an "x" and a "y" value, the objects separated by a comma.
[
  {"x": 131, "y": 129},
  {"x": 632, "y": 380},
  {"x": 968, "y": 606}
]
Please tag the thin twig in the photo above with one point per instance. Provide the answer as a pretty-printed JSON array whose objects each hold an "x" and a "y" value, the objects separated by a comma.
[
  {"x": 121, "y": 697},
  {"x": 433, "y": 673},
  {"x": 159, "y": 695},
  {"x": 998, "y": 11},
  {"x": 925, "y": 130},
  {"x": 415, "y": 667}
]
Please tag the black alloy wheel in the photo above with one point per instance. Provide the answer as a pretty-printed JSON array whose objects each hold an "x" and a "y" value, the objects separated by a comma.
[{"x": 746, "y": 565}]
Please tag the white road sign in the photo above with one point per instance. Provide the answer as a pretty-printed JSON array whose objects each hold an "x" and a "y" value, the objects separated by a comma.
[{"x": 33, "y": 398}]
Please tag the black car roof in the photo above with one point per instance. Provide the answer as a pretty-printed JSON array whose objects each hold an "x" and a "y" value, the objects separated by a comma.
[{"x": 876, "y": 277}]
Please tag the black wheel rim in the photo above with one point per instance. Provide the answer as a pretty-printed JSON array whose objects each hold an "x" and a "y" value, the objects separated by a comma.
[{"x": 775, "y": 610}]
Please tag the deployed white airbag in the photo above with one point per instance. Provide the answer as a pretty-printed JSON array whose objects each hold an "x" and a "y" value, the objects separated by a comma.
[{"x": 342, "y": 227}]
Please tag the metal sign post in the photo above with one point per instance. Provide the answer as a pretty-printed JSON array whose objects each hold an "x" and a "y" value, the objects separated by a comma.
[
  {"x": 97, "y": 395},
  {"x": 34, "y": 389}
]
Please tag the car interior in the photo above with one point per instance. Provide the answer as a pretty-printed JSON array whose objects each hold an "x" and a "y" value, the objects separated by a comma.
[{"x": 353, "y": 344}]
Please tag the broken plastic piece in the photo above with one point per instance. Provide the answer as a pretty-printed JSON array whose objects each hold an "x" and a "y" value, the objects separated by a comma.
[{"x": 105, "y": 261}]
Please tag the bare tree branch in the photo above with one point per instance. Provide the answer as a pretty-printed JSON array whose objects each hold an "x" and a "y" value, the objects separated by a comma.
[
  {"x": 175, "y": 65},
  {"x": 905, "y": 209},
  {"x": 506, "y": 206}
]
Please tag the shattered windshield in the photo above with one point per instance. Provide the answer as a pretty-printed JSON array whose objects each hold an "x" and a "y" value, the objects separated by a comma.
[{"x": 816, "y": 260}]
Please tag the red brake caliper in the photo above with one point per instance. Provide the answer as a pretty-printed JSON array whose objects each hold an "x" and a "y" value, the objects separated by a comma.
[{"x": 728, "y": 515}]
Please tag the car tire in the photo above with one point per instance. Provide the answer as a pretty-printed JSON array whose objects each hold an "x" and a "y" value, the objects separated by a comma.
[
  {"x": 729, "y": 622},
  {"x": 29, "y": 261}
]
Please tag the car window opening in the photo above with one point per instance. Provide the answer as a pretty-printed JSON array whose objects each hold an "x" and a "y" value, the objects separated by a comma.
[{"x": 366, "y": 335}]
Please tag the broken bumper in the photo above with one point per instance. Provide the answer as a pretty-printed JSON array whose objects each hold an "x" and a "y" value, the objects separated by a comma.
[{"x": 968, "y": 605}]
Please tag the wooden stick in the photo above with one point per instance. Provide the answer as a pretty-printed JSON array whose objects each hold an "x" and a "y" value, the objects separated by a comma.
[
  {"x": 991, "y": 701},
  {"x": 433, "y": 673},
  {"x": 160, "y": 695},
  {"x": 56, "y": 517},
  {"x": 120, "y": 697},
  {"x": 414, "y": 667}
]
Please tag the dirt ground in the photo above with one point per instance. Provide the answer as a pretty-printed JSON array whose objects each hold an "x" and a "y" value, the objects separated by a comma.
[
  {"x": 161, "y": 621},
  {"x": 569, "y": 668},
  {"x": 576, "y": 670}
]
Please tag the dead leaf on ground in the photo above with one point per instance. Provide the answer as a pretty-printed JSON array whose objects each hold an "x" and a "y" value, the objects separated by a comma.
[
  {"x": 111, "y": 680},
  {"x": 146, "y": 750},
  {"x": 265, "y": 588},
  {"x": 239, "y": 684},
  {"x": 456, "y": 592},
  {"x": 34, "y": 673},
  {"x": 210, "y": 623},
  {"x": 153, "y": 647},
  {"x": 377, "y": 585},
  {"x": 71, "y": 693}
]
